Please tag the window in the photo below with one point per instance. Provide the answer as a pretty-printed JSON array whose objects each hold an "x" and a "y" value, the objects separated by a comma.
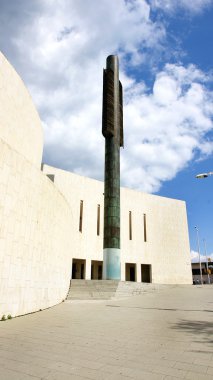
[
  {"x": 81, "y": 216},
  {"x": 98, "y": 220},
  {"x": 144, "y": 227},
  {"x": 130, "y": 225}
]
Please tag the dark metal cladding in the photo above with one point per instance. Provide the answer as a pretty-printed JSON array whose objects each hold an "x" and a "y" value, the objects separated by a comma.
[
  {"x": 108, "y": 125},
  {"x": 112, "y": 194},
  {"x": 121, "y": 114},
  {"x": 112, "y": 129},
  {"x": 108, "y": 104}
]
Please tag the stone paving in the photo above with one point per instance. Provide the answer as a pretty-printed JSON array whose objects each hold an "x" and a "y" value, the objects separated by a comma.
[{"x": 167, "y": 334}]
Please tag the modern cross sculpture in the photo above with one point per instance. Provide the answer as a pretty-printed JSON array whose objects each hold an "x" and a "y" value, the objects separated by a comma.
[{"x": 112, "y": 130}]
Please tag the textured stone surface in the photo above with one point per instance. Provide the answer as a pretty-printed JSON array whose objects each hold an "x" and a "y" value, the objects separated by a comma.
[
  {"x": 167, "y": 247},
  {"x": 109, "y": 289},
  {"x": 35, "y": 237},
  {"x": 20, "y": 126},
  {"x": 162, "y": 335},
  {"x": 35, "y": 219}
]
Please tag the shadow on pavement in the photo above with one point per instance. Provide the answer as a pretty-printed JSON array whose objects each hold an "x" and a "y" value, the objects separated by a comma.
[
  {"x": 203, "y": 329},
  {"x": 160, "y": 308}
]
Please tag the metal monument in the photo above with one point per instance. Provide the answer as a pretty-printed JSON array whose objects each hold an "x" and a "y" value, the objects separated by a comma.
[{"x": 112, "y": 130}]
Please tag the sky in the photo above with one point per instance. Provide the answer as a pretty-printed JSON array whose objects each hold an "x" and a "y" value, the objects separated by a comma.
[{"x": 59, "y": 48}]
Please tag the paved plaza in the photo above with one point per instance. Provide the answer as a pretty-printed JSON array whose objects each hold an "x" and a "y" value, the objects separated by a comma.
[{"x": 166, "y": 334}]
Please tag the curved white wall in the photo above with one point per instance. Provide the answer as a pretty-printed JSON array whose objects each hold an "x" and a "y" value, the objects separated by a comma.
[
  {"x": 20, "y": 126},
  {"x": 35, "y": 219}
]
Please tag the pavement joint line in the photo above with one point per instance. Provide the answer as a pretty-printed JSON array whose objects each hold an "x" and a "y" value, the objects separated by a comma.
[{"x": 139, "y": 337}]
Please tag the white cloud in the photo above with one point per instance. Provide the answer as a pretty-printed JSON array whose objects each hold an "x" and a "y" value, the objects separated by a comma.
[
  {"x": 165, "y": 90},
  {"x": 195, "y": 257},
  {"x": 163, "y": 129},
  {"x": 166, "y": 127},
  {"x": 192, "y": 6},
  {"x": 60, "y": 48}
]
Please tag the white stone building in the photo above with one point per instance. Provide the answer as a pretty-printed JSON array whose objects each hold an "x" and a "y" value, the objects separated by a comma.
[{"x": 51, "y": 228}]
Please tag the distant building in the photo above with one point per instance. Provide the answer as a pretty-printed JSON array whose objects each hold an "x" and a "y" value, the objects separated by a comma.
[
  {"x": 51, "y": 221},
  {"x": 196, "y": 272}
]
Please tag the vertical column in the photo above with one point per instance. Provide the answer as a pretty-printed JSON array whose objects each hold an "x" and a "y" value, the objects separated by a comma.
[
  {"x": 88, "y": 269},
  {"x": 138, "y": 273},
  {"x": 111, "y": 132}
]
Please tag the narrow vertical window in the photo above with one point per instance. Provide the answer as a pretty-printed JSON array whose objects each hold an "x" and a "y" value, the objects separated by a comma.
[
  {"x": 144, "y": 227},
  {"x": 98, "y": 220},
  {"x": 81, "y": 216},
  {"x": 130, "y": 225}
]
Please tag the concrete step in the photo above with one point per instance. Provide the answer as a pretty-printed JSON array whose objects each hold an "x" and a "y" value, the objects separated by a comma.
[
  {"x": 90, "y": 294},
  {"x": 107, "y": 289},
  {"x": 94, "y": 282},
  {"x": 128, "y": 289},
  {"x": 92, "y": 289}
]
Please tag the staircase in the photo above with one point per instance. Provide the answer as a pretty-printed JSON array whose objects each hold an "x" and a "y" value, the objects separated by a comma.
[
  {"x": 129, "y": 289},
  {"x": 107, "y": 289}
]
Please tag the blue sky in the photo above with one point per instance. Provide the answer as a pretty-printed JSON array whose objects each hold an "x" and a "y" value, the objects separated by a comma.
[{"x": 165, "y": 49}]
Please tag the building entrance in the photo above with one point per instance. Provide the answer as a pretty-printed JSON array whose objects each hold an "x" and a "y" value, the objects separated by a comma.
[
  {"x": 130, "y": 272},
  {"x": 78, "y": 269},
  {"x": 96, "y": 270},
  {"x": 146, "y": 273}
]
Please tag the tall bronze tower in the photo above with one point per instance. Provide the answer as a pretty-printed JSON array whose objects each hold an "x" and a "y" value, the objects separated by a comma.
[{"x": 112, "y": 130}]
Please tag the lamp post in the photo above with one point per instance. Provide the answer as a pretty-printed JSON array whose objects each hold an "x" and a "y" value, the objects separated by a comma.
[
  {"x": 198, "y": 247},
  {"x": 204, "y": 175},
  {"x": 199, "y": 176},
  {"x": 207, "y": 266}
]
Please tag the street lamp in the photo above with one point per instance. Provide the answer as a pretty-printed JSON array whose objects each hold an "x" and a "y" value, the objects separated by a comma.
[
  {"x": 204, "y": 175},
  {"x": 198, "y": 247},
  {"x": 207, "y": 266}
]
